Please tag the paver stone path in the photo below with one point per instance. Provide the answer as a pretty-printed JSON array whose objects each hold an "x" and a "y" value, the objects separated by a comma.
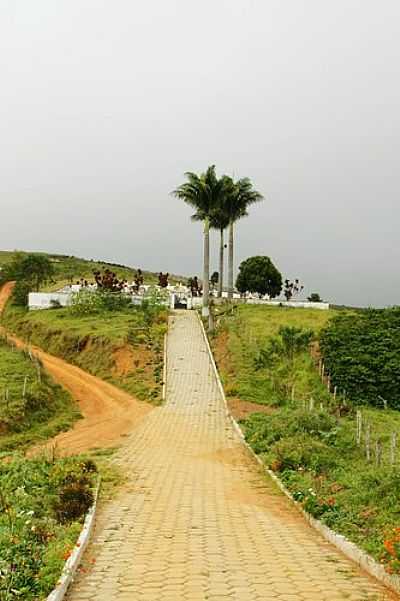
[{"x": 196, "y": 519}]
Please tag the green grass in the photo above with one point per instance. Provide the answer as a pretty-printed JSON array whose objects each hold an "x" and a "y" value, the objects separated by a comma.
[
  {"x": 69, "y": 269},
  {"x": 94, "y": 342},
  {"x": 46, "y": 409},
  {"x": 42, "y": 507},
  {"x": 247, "y": 331},
  {"x": 315, "y": 452}
]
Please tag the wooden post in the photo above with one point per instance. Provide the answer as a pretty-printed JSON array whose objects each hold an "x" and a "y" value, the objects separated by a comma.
[
  {"x": 378, "y": 453},
  {"x": 334, "y": 393},
  {"x": 359, "y": 426},
  {"x": 39, "y": 375},
  {"x": 328, "y": 384},
  {"x": 368, "y": 442},
  {"x": 24, "y": 388},
  {"x": 393, "y": 445},
  {"x": 311, "y": 404},
  {"x": 323, "y": 371}
]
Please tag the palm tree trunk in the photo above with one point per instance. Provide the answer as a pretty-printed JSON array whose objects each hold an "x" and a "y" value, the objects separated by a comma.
[
  {"x": 206, "y": 272},
  {"x": 230, "y": 261},
  {"x": 221, "y": 264}
]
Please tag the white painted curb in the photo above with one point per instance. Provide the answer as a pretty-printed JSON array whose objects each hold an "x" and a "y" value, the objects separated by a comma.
[
  {"x": 365, "y": 561},
  {"x": 71, "y": 565},
  {"x": 164, "y": 387}
]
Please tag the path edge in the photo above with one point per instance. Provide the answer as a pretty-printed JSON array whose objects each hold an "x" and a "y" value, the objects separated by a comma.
[
  {"x": 361, "y": 558},
  {"x": 164, "y": 386},
  {"x": 72, "y": 563}
]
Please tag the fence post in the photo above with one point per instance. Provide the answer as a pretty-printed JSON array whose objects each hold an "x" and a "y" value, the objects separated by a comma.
[
  {"x": 359, "y": 426},
  {"x": 393, "y": 445},
  {"x": 368, "y": 442},
  {"x": 378, "y": 453}
]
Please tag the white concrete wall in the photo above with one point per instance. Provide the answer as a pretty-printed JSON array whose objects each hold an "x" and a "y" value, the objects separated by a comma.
[
  {"x": 296, "y": 304},
  {"x": 42, "y": 300}
]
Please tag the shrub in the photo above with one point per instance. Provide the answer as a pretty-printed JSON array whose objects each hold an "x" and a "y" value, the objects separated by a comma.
[
  {"x": 362, "y": 354},
  {"x": 264, "y": 430},
  {"x": 74, "y": 500},
  {"x": 21, "y": 292},
  {"x": 89, "y": 302},
  {"x": 303, "y": 452}
]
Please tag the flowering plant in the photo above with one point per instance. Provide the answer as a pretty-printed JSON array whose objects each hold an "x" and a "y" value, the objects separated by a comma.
[{"x": 391, "y": 556}]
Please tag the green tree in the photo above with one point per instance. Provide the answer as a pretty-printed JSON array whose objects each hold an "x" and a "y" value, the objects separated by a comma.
[
  {"x": 258, "y": 274},
  {"x": 33, "y": 269},
  {"x": 237, "y": 199},
  {"x": 204, "y": 193},
  {"x": 314, "y": 298}
]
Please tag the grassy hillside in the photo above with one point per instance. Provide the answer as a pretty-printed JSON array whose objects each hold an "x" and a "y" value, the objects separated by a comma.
[
  {"x": 41, "y": 412},
  {"x": 69, "y": 269},
  {"x": 241, "y": 336},
  {"x": 123, "y": 347},
  {"x": 306, "y": 435}
]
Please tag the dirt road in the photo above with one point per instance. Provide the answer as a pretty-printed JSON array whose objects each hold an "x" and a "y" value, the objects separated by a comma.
[{"x": 109, "y": 414}]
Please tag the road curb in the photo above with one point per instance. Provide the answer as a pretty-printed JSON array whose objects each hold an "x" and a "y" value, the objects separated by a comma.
[
  {"x": 164, "y": 386},
  {"x": 72, "y": 563},
  {"x": 349, "y": 549}
]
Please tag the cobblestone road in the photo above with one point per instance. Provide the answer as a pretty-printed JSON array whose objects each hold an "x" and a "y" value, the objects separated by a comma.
[{"x": 197, "y": 520}]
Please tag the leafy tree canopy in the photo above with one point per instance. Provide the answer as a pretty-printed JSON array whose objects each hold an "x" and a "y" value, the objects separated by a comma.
[
  {"x": 258, "y": 274},
  {"x": 33, "y": 269}
]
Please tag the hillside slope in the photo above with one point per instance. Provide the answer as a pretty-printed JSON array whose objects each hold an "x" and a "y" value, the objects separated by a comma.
[{"x": 69, "y": 269}]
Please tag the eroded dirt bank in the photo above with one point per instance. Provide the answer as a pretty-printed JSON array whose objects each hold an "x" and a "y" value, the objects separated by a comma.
[{"x": 109, "y": 413}]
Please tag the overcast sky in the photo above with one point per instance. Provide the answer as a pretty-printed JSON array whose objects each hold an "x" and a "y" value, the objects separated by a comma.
[{"x": 105, "y": 104}]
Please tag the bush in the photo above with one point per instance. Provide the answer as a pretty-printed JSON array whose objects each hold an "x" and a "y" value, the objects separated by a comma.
[
  {"x": 89, "y": 302},
  {"x": 21, "y": 292},
  {"x": 362, "y": 355},
  {"x": 264, "y": 430},
  {"x": 301, "y": 452},
  {"x": 74, "y": 500}
]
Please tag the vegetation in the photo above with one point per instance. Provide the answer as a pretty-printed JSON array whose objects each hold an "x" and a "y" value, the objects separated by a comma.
[
  {"x": 309, "y": 436},
  {"x": 219, "y": 203},
  {"x": 70, "y": 269},
  {"x": 362, "y": 355},
  {"x": 292, "y": 289},
  {"x": 32, "y": 406},
  {"x": 42, "y": 506},
  {"x": 259, "y": 275},
  {"x": 99, "y": 333},
  {"x": 239, "y": 196},
  {"x": 203, "y": 193},
  {"x": 33, "y": 269},
  {"x": 314, "y": 298}
]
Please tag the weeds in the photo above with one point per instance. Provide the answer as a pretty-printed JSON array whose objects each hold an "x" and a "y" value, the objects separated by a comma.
[{"x": 35, "y": 539}]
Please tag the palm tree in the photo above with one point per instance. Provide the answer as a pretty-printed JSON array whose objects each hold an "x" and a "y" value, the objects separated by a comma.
[
  {"x": 220, "y": 221},
  {"x": 203, "y": 192},
  {"x": 239, "y": 196}
]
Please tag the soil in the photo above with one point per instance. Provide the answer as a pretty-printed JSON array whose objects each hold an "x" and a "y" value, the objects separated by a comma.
[
  {"x": 242, "y": 409},
  {"x": 239, "y": 408},
  {"x": 128, "y": 359},
  {"x": 109, "y": 414}
]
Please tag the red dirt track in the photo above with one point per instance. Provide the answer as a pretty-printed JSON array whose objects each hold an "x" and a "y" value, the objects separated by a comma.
[{"x": 109, "y": 414}]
